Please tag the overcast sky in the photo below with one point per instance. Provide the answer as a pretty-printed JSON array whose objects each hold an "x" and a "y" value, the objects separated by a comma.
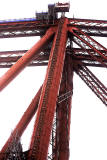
[{"x": 89, "y": 115}]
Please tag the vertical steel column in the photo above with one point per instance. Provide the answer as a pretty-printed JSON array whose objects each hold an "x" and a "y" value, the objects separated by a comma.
[
  {"x": 63, "y": 112},
  {"x": 47, "y": 104},
  {"x": 25, "y": 60},
  {"x": 23, "y": 123}
]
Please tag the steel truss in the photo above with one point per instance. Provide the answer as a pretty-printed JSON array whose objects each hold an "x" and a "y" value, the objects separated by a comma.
[
  {"x": 33, "y": 27},
  {"x": 51, "y": 133}
]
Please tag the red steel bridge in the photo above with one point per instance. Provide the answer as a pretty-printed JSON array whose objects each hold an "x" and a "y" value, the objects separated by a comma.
[{"x": 52, "y": 103}]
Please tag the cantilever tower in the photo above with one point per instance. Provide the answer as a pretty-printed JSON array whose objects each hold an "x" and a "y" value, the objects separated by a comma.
[{"x": 52, "y": 103}]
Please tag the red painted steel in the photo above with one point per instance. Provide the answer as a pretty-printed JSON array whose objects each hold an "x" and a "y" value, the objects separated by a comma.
[
  {"x": 23, "y": 123},
  {"x": 36, "y": 28},
  {"x": 70, "y": 87},
  {"x": 43, "y": 125},
  {"x": 92, "y": 82},
  {"x": 63, "y": 112},
  {"x": 57, "y": 81},
  {"x": 25, "y": 60},
  {"x": 7, "y": 59},
  {"x": 17, "y": 52},
  {"x": 91, "y": 43}
]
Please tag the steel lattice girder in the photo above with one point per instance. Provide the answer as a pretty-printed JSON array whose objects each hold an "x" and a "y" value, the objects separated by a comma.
[
  {"x": 8, "y": 58},
  {"x": 92, "y": 82},
  {"x": 86, "y": 42},
  {"x": 38, "y": 28},
  {"x": 23, "y": 61}
]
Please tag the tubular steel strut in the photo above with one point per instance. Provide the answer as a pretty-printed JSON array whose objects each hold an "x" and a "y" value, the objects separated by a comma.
[
  {"x": 25, "y": 60},
  {"x": 40, "y": 142},
  {"x": 23, "y": 123}
]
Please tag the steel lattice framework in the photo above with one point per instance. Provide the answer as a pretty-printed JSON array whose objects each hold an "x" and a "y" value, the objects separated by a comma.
[{"x": 56, "y": 49}]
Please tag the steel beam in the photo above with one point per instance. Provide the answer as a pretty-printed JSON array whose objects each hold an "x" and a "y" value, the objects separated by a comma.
[
  {"x": 8, "y": 58},
  {"x": 92, "y": 82},
  {"x": 87, "y": 42},
  {"x": 46, "y": 109},
  {"x": 63, "y": 112},
  {"x": 33, "y": 27},
  {"x": 26, "y": 59},
  {"x": 22, "y": 124}
]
